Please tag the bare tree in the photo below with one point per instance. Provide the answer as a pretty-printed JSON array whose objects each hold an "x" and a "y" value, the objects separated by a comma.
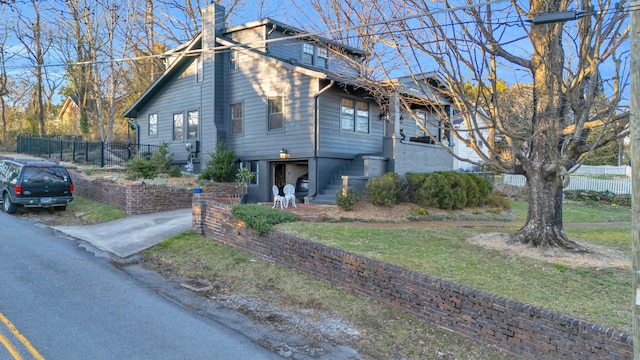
[
  {"x": 473, "y": 43},
  {"x": 179, "y": 21},
  {"x": 566, "y": 81},
  {"x": 36, "y": 40}
]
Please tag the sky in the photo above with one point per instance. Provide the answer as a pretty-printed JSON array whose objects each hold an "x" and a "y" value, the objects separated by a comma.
[{"x": 287, "y": 11}]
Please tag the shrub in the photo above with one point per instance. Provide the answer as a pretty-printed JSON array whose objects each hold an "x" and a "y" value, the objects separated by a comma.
[
  {"x": 484, "y": 188},
  {"x": 437, "y": 192},
  {"x": 384, "y": 190},
  {"x": 174, "y": 171},
  {"x": 498, "y": 201},
  {"x": 473, "y": 192},
  {"x": 148, "y": 167},
  {"x": 347, "y": 198},
  {"x": 221, "y": 166},
  {"x": 419, "y": 212},
  {"x": 162, "y": 158},
  {"x": 139, "y": 167},
  {"x": 414, "y": 183},
  {"x": 262, "y": 218},
  {"x": 598, "y": 198},
  {"x": 457, "y": 189}
]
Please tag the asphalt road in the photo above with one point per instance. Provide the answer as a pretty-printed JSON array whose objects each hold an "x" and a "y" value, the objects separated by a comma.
[{"x": 58, "y": 301}]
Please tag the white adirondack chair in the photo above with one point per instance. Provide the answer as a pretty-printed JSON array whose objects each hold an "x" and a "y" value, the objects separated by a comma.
[
  {"x": 277, "y": 198},
  {"x": 289, "y": 195}
]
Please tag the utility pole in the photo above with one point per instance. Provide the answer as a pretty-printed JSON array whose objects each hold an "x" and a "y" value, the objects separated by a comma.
[{"x": 634, "y": 122}]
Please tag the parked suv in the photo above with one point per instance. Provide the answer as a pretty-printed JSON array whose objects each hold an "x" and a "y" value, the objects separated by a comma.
[{"x": 34, "y": 183}]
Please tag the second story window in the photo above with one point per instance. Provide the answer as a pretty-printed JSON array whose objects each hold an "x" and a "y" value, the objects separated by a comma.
[
  {"x": 153, "y": 125},
  {"x": 236, "y": 118},
  {"x": 193, "y": 124},
  {"x": 233, "y": 60},
  {"x": 323, "y": 58},
  {"x": 362, "y": 116},
  {"x": 307, "y": 54},
  {"x": 178, "y": 127},
  {"x": 354, "y": 115},
  {"x": 276, "y": 116}
]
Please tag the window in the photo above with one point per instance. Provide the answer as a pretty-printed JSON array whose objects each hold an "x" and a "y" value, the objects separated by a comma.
[
  {"x": 323, "y": 56},
  {"x": 152, "y": 129},
  {"x": 362, "y": 116},
  {"x": 199, "y": 70},
  {"x": 347, "y": 115},
  {"x": 354, "y": 115},
  {"x": 252, "y": 166},
  {"x": 276, "y": 118},
  {"x": 233, "y": 60},
  {"x": 422, "y": 119},
  {"x": 193, "y": 124},
  {"x": 236, "y": 118},
  {"x": 307, "y": 54},
  {"x": 178, "y": 127}
]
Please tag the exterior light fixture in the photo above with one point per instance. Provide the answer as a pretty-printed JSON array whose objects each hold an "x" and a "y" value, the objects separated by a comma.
[{"x": 284, "y": 153}]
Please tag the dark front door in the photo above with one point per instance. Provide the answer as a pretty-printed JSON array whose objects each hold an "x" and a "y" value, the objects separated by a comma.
[{"x": 280, "y": 176}]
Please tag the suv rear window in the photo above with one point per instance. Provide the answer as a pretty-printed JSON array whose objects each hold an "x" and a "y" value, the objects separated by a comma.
[{"x": 42, "y": 174}]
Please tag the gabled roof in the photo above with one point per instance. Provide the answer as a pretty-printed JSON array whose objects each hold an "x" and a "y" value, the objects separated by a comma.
[
  {"x": 196, "y": 44},
  {"x": 167, "y": 75},
  {"x": 70, "y": 101},
  {"x": 290, "y": 30},
  {"x": 420, "y": 86}
]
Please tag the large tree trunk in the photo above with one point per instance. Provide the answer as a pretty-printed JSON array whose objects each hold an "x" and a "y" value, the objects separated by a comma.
[
  {"x": 543, "y": 163},
  {"x": 543, "y": 227}
]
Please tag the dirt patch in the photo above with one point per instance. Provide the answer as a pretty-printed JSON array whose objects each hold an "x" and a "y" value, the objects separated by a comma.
[{"x": 597, "y": 257}]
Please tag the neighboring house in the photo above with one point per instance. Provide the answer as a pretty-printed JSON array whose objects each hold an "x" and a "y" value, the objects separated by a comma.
[
  {"x": 286, "y": 107},
  {"x": 462, "y": 146},
  {"x": 68, "y": 120}
]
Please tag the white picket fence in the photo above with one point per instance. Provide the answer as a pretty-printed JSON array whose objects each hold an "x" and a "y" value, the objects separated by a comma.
[
  {"x": 616, "y": 186},
  {"x": 603, "y": 170}
]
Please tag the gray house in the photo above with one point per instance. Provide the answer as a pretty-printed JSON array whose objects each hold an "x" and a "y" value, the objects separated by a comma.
[{"x": 282, "y": 100}]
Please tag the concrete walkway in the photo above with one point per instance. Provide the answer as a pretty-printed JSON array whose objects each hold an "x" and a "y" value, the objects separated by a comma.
[{"x": 128, "y": 236}]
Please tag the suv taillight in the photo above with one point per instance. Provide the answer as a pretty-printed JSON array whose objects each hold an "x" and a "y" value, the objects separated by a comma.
[
  {"x": 71, "y": 189},
  {"x": 18, "y": 189}
]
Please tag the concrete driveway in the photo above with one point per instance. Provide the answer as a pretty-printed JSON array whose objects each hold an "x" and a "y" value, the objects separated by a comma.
[{"x": 128, "y": 236}]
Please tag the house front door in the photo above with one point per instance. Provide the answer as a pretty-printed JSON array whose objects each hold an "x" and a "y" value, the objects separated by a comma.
[{"x": 280, "y": 175}]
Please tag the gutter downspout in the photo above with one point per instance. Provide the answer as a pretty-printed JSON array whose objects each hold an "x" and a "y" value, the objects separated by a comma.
[{"x": 316, "y": 135}]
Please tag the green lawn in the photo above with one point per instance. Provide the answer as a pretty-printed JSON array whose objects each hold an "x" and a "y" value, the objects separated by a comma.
[
  {"x": 603, "y": 296},
  {"x": 596, "y": 295}
]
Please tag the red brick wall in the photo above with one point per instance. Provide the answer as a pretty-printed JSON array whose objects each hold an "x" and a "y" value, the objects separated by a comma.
[
  {"x": 522, "y": 330},
  {"x": 136, "y": 199}
]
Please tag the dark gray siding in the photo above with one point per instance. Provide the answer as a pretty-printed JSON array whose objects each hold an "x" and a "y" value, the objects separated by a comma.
[
  {"x": 292, "y": 50},
  {"x": 335, "y": 142},
  {"x": 180, "y": 95},
  {"x": 255, "y": 81}
]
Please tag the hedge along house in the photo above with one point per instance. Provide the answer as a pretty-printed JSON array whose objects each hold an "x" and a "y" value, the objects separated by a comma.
[{"x": 281, "y": 99}]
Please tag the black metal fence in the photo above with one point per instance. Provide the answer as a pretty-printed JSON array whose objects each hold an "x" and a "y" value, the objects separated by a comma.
[{"x": 98, "y": 153}]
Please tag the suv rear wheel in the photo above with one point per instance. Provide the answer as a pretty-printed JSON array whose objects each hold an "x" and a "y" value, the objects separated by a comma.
[{"x": 7, "y": 205}]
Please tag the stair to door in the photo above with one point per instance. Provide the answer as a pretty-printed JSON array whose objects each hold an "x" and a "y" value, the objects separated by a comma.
[{"x": 328, "y": 194}]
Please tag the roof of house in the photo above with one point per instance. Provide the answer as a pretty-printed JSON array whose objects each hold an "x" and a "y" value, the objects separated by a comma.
[
  {"x": 293, "y": 32},
  {"x": 186, "y": 51},
  {"x": 173, "y": 69}
]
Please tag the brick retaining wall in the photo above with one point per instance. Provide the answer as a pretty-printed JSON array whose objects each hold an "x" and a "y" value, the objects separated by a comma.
[
  {"x": 137, "y": 199},
  {"x": 519, "y": 329}
]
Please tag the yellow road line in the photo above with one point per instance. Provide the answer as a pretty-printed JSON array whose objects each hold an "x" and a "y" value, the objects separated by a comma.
[
  {"x": 20, "y": 337},
  {"x": 9, "y": 346}
]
